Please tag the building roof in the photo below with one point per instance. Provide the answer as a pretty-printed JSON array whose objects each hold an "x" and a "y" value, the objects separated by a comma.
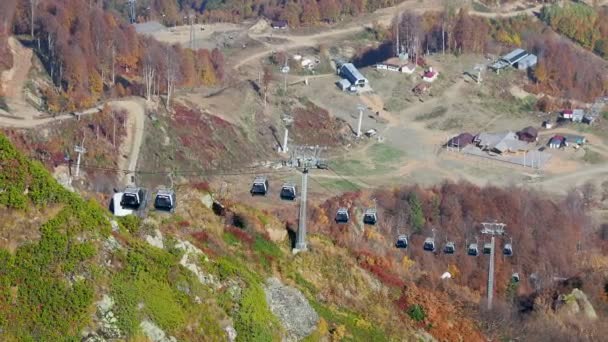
[
  {"x": 344, "y": 83},
  {"x": 462, "y": 139},
  {"x": 504, "y": 141},
  {"x": 279, "y": 23},
  {"x": 529, "y": 59},
  {"x": 567, "y": 111},
  {"x": 351, "y": 72},
  {"x": 515, "y": 56},
  {"x": 430, "y": 73},
  {"x": 574, "y": 138},
  {"x": 558, "y": 138},
  {"x": 531, "y": 131},
  {"x": 578, "y": 113}
]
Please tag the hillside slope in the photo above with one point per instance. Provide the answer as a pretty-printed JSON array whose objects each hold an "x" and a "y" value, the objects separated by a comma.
[{"x": 190, "y": 276}]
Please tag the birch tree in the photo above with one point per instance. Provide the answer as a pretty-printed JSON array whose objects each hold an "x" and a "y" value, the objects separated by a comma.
[{"x": 149, "y": 70}]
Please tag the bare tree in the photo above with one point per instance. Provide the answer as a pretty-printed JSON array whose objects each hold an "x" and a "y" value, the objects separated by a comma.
[
  {"x": 149, "y": 71},
  {"x": 266, "y": 79},
  {"x": 33, "y": 5},
  {"x": 172, "y": 70}
]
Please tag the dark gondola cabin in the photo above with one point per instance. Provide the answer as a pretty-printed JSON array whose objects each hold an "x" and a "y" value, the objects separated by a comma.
[
  {"x": 370, "y": 217},
  {"x": 508, "y": 250},
  {"x": 473, "y": 250},
  {"x": 429, "y": 244},
  {"x": 288, "y": 192},
  {"x": 259, "y": 186},
  {"x": 342, "y": 215},
  {"x": 401, "y": 241},
  {"x": 487, "y": 248},
  {"x": 132, "y": 198},
  {"x": 449, "y": 248},
  {"x": 515, "y": 277},
  {"x": 165, "y": 200}
]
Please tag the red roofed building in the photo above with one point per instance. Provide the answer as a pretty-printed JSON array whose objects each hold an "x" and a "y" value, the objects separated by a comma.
[{"x": 430, "y": 75}]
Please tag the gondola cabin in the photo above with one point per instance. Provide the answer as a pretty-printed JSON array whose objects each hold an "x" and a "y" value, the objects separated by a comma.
[
  {"x": 342, "y": 215},
  {"x": 288, "y": 192},
  {"x": 473, "y": 250},
  {"x": 259, "y": 186},
  {"x": 116, "y": 208},
  {"x": 165, "y": 200},
  {"x": 515, "y": 277},
  {"x": 429, "y": 244},
  {"x": 507, "y": 250},
  {"x": 401, "y": 241},
  {"x": 449, "y": 248},
  {"x": 487, "y": 248},
  {"x": 133, "y": 198},
  {"x": 370, "y": 217}
]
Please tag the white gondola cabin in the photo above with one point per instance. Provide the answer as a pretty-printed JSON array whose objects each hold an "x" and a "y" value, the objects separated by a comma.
[
  {"x": 429, "y": 244},
  {"x": 507, "y": 250},
  {"x": 473, "y": 250},
  {"x": 449, "y": 248},
  {"x": 165, "y": 200},
  {"x": 342, "y": 215},
  {"x": 259, "y": 186},
  {"x": 401, "y": 241},
  {"x": 370, "y": 217},
  {"x": 288, "y": 192}
]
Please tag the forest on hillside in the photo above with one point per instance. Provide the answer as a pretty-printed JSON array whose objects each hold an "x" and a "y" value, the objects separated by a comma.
[
  {"x": 296, "y": 12},
  {"x": 91, "y": 53},
  {"x": 558, "y": 72}
]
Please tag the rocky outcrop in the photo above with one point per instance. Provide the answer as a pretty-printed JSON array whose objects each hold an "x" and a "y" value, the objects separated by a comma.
[
  {"x": 575, "y": 303},
  {"x": 154, "y": 333},
  {"x": 189, "y": 261},
  {"x": 291, "y": 308},
  {"x": 156, "y": 239},
  {"x": 108, "y": 323}
]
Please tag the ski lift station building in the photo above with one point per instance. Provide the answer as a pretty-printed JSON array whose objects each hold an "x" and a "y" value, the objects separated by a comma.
[
  {"x": 518, "y": 58},
  {"x": 350, "y": 73}
]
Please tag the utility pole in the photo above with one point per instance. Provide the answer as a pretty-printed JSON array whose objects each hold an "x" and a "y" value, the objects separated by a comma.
[
  {"x": 493, "y": 229},
  {"x": 191, "y": 22},
  {"x": 284, "y": 148},
  {"x": 80, "y": 150},
  {"x": 361, "y": 108}
]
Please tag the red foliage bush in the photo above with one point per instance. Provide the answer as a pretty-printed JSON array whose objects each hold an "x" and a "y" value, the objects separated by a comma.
[
  {"x": 240, "y": 234},
  {"x": 201, "y": 236},
  {"x": 201, "y": 186}
]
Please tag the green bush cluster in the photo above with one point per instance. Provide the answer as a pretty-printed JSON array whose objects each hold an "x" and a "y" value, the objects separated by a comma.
[
  {"x": 416, "y": 312},
  {"x": 47, "y": 287},
  {"x": 22, "y": 180}
]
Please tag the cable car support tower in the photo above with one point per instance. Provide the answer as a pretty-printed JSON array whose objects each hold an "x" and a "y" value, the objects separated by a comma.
[
  {"x": 303, "y": 158},
  {"x": 493, "y": 229}
]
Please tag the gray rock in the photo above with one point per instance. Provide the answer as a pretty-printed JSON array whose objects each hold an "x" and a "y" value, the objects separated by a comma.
[
  {"x": 93, "y": 337},
  {"x": 207, "y": 200},
  {"x": 292, "y": 309},
  {"x": 156, "y": 240},
  {"x": 154, "y": 333},
  {"x": 231, "y": 333}
]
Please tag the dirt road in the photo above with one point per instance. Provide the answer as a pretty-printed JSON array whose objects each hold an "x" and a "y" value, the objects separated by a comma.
[
  {"x": 130, "y": 147},
  {"x": 14, "y": 80},
  {"x": 382, "y": 16}
]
